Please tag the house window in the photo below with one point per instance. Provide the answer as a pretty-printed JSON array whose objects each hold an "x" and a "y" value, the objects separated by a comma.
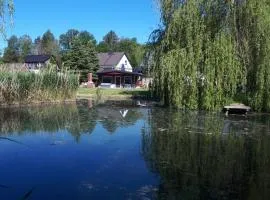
[
  {"x": 107, "y": 79},
  {"x": 123, "y": 67}
]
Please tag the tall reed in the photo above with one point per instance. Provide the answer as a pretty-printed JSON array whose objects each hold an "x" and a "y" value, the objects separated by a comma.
[{"x": 26, "y": 87}]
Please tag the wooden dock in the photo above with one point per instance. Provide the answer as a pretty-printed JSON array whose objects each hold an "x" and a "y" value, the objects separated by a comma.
[{"x": 239, "y": 109}]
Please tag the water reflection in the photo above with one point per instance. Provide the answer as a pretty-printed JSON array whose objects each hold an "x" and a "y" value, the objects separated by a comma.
[
  {"x": 127, "y": 150},
  {"x": 208, "y": 156},
  {"x": 77, "y": 118}
]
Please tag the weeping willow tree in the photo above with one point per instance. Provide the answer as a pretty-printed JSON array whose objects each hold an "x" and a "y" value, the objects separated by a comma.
[
  {"x": 253, "y": 43},
  {"x": 6, "y": 13},
  {"x": 209, "y": 51}
]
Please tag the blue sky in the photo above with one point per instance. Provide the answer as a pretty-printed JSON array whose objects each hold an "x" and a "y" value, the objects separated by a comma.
[{"x": 127, "y": 18}]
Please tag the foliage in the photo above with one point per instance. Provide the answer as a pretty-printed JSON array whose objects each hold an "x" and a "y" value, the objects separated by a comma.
[
  {"x": 133, "y": 49},
  {"x": 25, "y": 46},
  {"x": 20, "y": 47},
  {"x": 11, "y": 53},
  {"x": 61, "y": 50},
  {"x": 111, "y": 42},
  {"x": 207, "y": 52},
  {"x": 67, "y": 38},
  {"x": 5, "y": 6},
  {"x": 48, "y": 85},
  {"x": 82, "y": 57},
  {"x": 17, "y": 49},
  {"x": 86, "y": 37},
  {"x": 49, "y": 44},
  {"x": 102, "y": 47},
  {"x": 37, "y": 48}
]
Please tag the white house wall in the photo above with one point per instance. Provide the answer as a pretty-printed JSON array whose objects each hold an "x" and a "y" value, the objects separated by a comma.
[{"x": 124, "y": 61}]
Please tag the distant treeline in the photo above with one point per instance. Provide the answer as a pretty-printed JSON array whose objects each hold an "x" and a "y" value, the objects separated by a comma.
[{"x": 74, "y": 49}]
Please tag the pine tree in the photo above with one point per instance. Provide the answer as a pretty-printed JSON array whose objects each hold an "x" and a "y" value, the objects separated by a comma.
[{"x": 82, "y": 57}]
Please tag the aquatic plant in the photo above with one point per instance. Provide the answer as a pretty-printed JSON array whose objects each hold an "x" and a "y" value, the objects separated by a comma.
[{"x": 48, "y": 85}]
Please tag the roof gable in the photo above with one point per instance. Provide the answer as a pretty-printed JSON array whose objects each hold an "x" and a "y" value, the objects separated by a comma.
[
  {"x": 37, "y": 58},
  {"x": 110, "y": 59}
]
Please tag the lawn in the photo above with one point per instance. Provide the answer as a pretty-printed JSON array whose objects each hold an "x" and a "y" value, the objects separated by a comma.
[{"x": 129, "y": 93}]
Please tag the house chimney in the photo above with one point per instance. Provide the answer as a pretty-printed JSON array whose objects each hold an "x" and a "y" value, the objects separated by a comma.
[
  {"x": 90, "y": 78},
  {"x": 90, "y": 83}
]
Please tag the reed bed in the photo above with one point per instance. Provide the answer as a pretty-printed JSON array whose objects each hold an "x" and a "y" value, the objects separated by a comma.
[{"x": 25, "y": 87}]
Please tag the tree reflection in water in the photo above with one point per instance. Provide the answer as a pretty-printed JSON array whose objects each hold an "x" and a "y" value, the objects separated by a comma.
[
  {"x": 77, "y": 118},
  {"x": 197, "y": 158}
]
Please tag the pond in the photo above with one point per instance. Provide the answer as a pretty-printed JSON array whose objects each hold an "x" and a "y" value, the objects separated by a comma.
[{"x": 119, "y": 150}]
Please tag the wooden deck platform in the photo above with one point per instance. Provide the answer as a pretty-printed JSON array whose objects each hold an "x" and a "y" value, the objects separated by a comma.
[{"x": 236, "y": 109}]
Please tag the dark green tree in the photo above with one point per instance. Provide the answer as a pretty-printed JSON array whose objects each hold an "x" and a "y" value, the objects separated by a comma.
[
  {"x": 102, "y": 47},
  {"x": 12, "y": 51},
  {"x": 66, "y": 39},
  {"x": 111, "y": 39},
  {"x": 26, "y": 45},
  {"x": 81, "y": 57},
  {"x": 86, "y": 37},
  {"x": 37, "y": 46},
  {"x": 49, "y": 44}
]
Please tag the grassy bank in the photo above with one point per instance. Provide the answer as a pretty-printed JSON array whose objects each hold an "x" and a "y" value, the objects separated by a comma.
[
  {"x": 113, "y": 93},
  {"x": 27, "y": 87}
]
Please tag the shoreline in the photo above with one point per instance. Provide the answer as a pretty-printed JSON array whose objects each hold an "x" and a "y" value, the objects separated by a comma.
[
  {"x": 36, "y": 103},
  {"x": 114, "y": 94},
  {"x": 85, "y": 93},
  {"x": 70, "y": 101}
]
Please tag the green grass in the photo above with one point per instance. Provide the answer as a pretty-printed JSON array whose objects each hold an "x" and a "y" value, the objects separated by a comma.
[{"x": 87, "y": 92}]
